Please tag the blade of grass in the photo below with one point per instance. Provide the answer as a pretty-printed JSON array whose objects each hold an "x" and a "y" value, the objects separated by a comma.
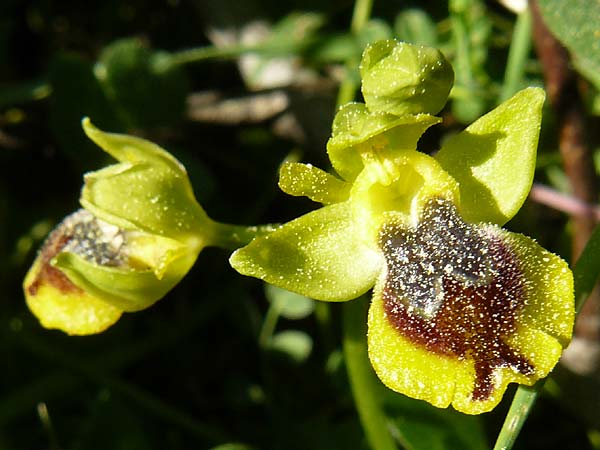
[
  {"x": 350, "y": 84},
  {"x": 586, "y": 272},
  {"x": 517, "y": 56}
]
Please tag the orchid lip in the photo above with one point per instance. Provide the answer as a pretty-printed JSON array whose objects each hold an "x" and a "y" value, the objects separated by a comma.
[{"x": 456, "y": 290}]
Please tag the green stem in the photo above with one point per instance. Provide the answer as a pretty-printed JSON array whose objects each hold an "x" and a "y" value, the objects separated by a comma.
[
  {"x": 269, "y": 324},
  {"x": 211, "y": 52},
  {"x": 520, "y": 408},
  {"x": 517, "y": 55},
  {"x": 363, "y": 380},
  {"x": 360, "y": 15},
  {"x": 350, "y": 83},
  {"x": 585, "y": 274},
  {"x": 232, "y": 237}
]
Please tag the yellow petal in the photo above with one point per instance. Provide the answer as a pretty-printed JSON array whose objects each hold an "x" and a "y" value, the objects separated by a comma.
[
  {"x": 58, "y": 303},
  {"x": 463, "y": 310}
]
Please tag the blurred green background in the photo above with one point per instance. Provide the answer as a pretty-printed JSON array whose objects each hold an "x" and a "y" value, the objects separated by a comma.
[{"x": 222, "y": 361}]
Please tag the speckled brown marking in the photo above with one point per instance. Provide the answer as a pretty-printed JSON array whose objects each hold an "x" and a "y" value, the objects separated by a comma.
[
  {"x": 85, "y": 235},
  {"x": 454, "y": 296},
  {"x": 57, "y": 240}
]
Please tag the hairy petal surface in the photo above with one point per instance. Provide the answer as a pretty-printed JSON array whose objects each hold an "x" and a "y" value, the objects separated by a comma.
[
  {"x": 307, "y": 180},
  {"x": 462, "y": 310},
  {"x": 494, "y": 158},
  {"x": 320, "y": 255},
  {"x": 148, "y": 190}
]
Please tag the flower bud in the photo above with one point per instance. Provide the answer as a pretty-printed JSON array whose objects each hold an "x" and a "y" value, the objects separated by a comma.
[
  {"x": 139, "y": 234},
  {"x": 400, "y": 78}
]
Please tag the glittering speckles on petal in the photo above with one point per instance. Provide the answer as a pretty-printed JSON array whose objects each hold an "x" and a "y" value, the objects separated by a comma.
[
  {"x": 83, "y": 234},
  {"x": 320, "y": 255},
  {"x": 52, "y": 296},
  {"x": 450, "y": 315}
]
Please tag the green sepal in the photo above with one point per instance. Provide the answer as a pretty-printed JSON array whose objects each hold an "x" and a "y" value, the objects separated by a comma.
[
  {"x": 494, "y": 158},
  {"x": 306, "y": 180},
  {"x": 149, "y": 190},
  {"x": 320, "y": 255},
  {"x": 356, "y": 131},
  {"x": 127, "y": 288},
  {"x": 400, "y": 78}
]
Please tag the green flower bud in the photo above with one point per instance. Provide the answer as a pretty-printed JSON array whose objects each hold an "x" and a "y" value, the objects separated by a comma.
[
  {"x": 400, "y": 78},
  {"x": 139, "y": 234}
]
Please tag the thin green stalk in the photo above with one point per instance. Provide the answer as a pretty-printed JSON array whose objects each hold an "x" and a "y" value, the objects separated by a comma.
[
  {"x": 517, "y": 55},
  {"x": 200, "y": 54},
  {"x": 360, "y": 15},
  {"x": 349, "y": 85},
  {"x": 363, "y": 380},
  {"x": 520, "y": 408},
  {"x": 462, "y": 64},
  {"x": 232, "y": 237},
  {"x": 585, "y": 273},
  {"x": 47, "y": 425},
  {"x": 269, "y": 324}
]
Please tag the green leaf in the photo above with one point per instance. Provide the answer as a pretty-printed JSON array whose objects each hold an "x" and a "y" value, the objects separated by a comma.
[
  {"x": 295, "y": 344},
  {"x": 306, "y": 180},
  {"x": 147, "y": 88},
  {"x": 575, "y": 24},
  {"x": 494, "y": 158},
  {"x": 290, "y": 305},
  {"x": 400, "y": 78},
  {"x": 356, "y": 131},
  {"x": 315, "y": 255}
]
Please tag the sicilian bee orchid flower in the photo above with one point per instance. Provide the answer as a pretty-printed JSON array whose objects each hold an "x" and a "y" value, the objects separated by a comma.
[{"x": 460, "y": 307}]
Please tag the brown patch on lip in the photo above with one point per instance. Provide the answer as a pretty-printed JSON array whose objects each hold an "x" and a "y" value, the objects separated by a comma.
[
  {"x": 455, "y": 296},
  {"x": 53, "y": 245}
]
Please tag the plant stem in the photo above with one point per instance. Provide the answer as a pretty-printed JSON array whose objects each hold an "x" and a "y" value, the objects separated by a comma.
[
  {"x": 517, "y": 415},
  {"x": 232, "y": 237},
  {"x": 349, "y": 86},
  {"x": 517, "y": 55},
  {"x": 269, "y": 324},
  {"x": 362, "y": 378},
  {"x": 211, "y": 52},
  {"x": 360, "y": 15}
]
